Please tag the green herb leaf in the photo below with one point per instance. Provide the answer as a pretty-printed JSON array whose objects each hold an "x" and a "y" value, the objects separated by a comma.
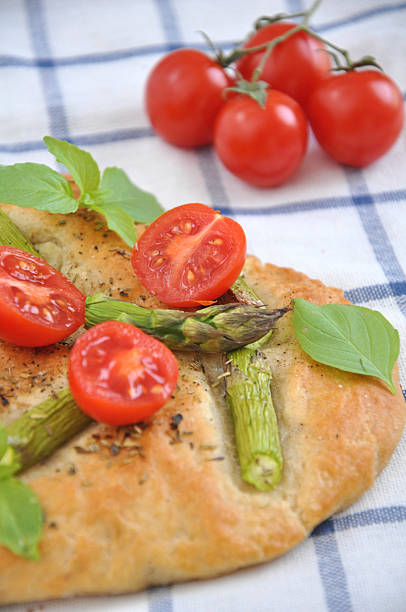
[
  {"x": 21, "y": 518},
  {"x": 8, "y": 470},
  {"x": 117, "y": 189},
  {"x": 347, "y": 337},
  {"x": 80, "y": 164},
  {"x": 36, "y": 186},
  {"x": 118, "y": 221},
  {"x": 119, "y": 200}
]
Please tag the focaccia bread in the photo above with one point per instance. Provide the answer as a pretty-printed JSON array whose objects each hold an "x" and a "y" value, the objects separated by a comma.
[{"x": 163, "y": 502}]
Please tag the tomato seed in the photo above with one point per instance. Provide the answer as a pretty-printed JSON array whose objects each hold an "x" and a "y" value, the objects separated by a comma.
[
  {"x": 47, "y": 314},
  {"x": 156, "y": 263}
]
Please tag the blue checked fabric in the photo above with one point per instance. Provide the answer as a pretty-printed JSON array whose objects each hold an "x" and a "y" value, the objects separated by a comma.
[{"x": 76, "y": 70}]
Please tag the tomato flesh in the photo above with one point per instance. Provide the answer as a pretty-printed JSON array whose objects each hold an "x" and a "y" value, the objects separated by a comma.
[
  {"x": 38, "y": 305},
  {"x": 183, "y": 95},
  {"x": 357, "y": 116},
  {"x": 296, "y": 66},
  {"x": 120, "y": 375},
  {"x": 189, "y": 255}
]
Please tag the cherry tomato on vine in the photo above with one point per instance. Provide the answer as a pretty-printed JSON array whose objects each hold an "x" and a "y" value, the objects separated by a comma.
[
  {"x": 120, "y": 375},
  {"x": 296, "y": 66},
  {"x": 184, "y": 93},
  {"x": 356, "y": 116},
  {"x": 38, "y": 305},
  {"x": 191, "y": 254},
  {"x": 262, "y": 146}
]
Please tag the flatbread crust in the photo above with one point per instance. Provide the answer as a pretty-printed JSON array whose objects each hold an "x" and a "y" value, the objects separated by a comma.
[{"x": 171, "y": 505}]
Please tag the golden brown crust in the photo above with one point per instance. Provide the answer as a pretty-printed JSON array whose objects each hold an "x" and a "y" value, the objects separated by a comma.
[{"x": 167, "y": 507}]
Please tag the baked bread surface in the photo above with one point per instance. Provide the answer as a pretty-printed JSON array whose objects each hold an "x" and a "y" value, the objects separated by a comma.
[{"x": 169, "y": 505}]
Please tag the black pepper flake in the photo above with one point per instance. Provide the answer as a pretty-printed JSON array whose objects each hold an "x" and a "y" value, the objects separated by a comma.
[
  {"x": 114, "y": 449},
  {"x": 53, "y": 525},
  {"x": 4, "y": 400},
  {"x": 121, "y": 252},
  {"x": 123, "y": 293},
  {"x": 175, "y": 420}
]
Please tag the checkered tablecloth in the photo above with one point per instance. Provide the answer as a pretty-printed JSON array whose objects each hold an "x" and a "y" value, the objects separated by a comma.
[{"x": 76, "y": 70}]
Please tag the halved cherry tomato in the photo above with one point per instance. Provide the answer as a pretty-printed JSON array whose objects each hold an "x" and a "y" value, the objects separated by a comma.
[
  {"x": 296, "y": 66},
  {"x": 183, "y": 95},
  {"x": 120, "y": 375},
  {"x": 189, "y": 255},
  {"x": 38, "y": 305}
]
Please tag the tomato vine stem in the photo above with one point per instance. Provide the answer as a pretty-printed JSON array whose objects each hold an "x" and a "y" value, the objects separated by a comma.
[{"x": 269, "y": 47}]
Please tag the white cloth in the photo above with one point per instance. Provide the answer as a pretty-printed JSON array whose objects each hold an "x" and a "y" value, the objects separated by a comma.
[{"x": 77, "y": 70}]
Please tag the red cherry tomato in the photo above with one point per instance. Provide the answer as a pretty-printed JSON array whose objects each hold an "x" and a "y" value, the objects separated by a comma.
[
  {"x": 38, "y": 305},
  {"x": 189, "y": 255},
  {"x": 120, "y": 375},
  {"x": 262, "y": 146},
  {"x": 184, "y": 93},
  {"x": 295, "y": 66},
  {"x": 356, "y": 116}
]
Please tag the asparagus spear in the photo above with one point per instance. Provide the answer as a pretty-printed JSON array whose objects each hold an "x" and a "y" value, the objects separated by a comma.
[
  {"x": 222, "y": 327},
  {"x": 39, "y": 431},
  {"x": 218, "y": 328},
  {"x": 248, "y": 390},
  {"x": 12, "y": 236}
]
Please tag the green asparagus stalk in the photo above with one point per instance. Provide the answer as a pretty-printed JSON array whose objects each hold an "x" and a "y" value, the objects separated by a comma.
[
  {"x": 40, "y": 431},
  {"x": 248, "y": 391},
  {"x": 218, "y": 328},
  {"x": 10, "y": 235},
  {"x": 243, "y": 293}
]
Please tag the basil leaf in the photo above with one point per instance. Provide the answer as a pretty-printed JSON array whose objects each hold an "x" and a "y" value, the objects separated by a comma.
[
  {"x": 118, "y": 221},
  {"x": 80, "y": 163},
  {"x": 8, "y": 470},
  {"x": 117, "y": 189},
  {"x": 21, "y": 518},
  {"x": 36, "y": 186},
  {"x": 347, "y": 337}
]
